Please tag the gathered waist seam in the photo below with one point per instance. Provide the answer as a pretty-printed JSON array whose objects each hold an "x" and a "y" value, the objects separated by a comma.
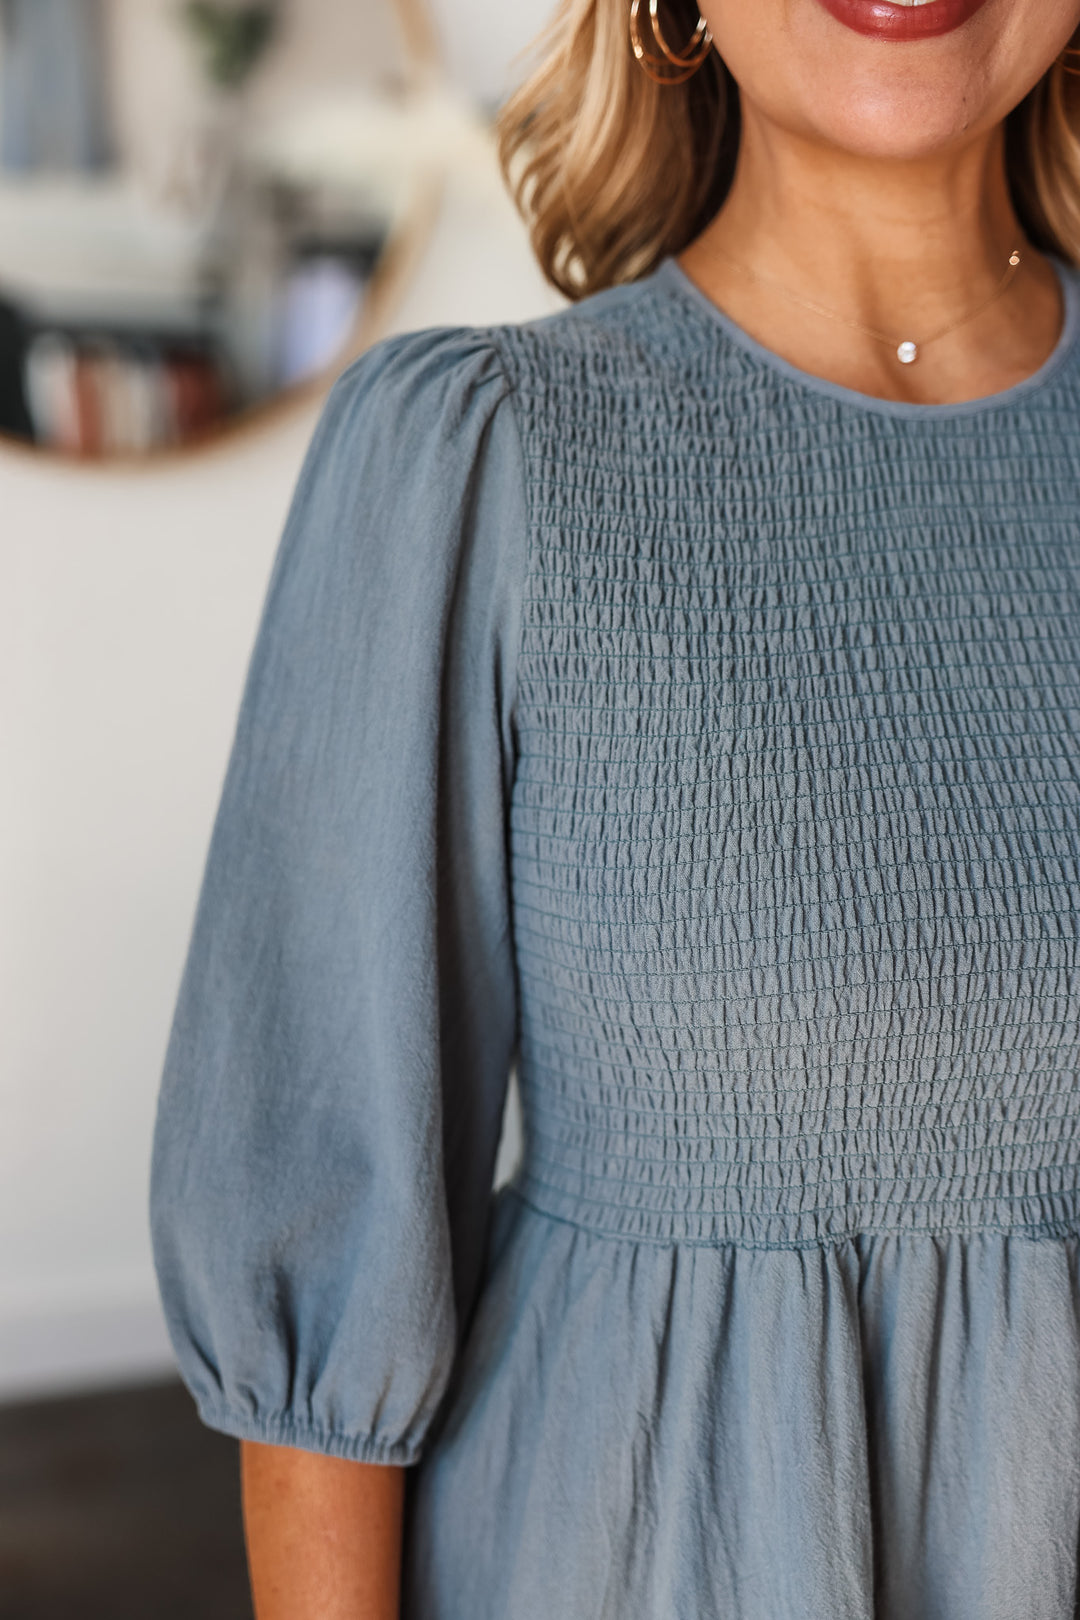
[{"x": 625, "y": 1223}]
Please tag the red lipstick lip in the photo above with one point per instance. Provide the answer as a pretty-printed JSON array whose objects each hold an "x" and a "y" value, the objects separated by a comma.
[{"x": 882, "y": 20}]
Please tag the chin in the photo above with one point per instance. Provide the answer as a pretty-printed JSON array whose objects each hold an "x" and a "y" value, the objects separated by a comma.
[
  {"x": 892, "y": 100},
  {"x": 902, "y": 126},
  {"x": 890, "y": 110}
]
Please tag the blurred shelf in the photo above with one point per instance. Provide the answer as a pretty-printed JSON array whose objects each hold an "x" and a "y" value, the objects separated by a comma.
[{"x": 96, "y": 250}]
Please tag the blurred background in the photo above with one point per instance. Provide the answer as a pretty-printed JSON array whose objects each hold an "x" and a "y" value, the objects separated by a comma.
[{"x": 206, "y": 210}]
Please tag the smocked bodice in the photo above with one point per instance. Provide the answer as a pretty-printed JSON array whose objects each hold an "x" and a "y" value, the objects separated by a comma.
[{"x": 796, "y": 818}]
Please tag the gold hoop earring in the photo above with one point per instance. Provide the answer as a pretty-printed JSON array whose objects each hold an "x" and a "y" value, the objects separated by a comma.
[
  {"x": 1064, "y": 63},
  {"x": 699, "y": 42},
  {"x": 672, "y": 67}
]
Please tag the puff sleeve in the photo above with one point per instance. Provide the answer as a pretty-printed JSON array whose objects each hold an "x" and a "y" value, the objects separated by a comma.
[{"x": 333, "y": 1086}]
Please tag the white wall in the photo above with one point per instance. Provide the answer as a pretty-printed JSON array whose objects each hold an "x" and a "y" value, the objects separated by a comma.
[
  {"x": 483, "y": 43},
  {"x": 128, "y": 601},
  {"x": 157, "y": 86}
]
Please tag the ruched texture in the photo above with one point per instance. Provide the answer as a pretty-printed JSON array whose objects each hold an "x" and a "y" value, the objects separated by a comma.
[
  {"x": 795, "y": 814},
  {"x": 707, "y": 738}
]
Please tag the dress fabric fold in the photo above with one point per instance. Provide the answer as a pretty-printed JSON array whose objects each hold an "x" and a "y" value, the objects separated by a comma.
[{"x": 703, "y": 740}]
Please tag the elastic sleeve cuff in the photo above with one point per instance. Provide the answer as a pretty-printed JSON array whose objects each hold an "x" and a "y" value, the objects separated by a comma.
[{"x": 281, "y": 1430}]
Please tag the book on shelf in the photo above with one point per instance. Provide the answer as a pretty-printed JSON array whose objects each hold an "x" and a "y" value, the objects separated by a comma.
[{"x": 101, "y": 396}]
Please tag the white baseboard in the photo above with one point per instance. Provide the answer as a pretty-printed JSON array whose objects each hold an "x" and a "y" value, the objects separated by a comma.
[{"x": 54, "y": 1350}]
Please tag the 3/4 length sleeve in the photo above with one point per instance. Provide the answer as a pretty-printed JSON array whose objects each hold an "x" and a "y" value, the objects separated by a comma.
[{"x": 334, "y": 1080}]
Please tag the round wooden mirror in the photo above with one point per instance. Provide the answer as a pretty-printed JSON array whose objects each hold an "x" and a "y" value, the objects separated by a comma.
[{"x": 205, "y": 208}]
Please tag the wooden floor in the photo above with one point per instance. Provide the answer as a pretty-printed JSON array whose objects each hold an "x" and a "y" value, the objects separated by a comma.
[{"x": 119, "y": 1506}]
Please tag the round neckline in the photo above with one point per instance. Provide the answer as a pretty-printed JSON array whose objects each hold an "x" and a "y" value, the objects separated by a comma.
[{"x": 671, "y": 273}]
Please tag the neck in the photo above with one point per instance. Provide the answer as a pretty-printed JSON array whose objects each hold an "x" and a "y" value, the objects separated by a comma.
[{"x": 901, "y": 247}]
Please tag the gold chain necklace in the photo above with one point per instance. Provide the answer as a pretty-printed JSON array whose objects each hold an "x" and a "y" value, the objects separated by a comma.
[{"x": 907, "y": 350}]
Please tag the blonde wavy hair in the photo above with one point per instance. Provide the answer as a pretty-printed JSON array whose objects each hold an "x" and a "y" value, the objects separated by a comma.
[{"x": 612, "y": 171}]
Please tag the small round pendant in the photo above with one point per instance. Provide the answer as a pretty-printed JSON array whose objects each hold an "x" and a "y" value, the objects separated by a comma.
[{"x": 907, "y": 353}]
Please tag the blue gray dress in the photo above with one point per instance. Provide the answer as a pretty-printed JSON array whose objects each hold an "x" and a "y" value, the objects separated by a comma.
[{"x": 706, "y": 738}]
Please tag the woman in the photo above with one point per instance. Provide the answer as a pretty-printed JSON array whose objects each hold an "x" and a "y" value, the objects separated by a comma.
[{"x": 684, "y": 691}]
